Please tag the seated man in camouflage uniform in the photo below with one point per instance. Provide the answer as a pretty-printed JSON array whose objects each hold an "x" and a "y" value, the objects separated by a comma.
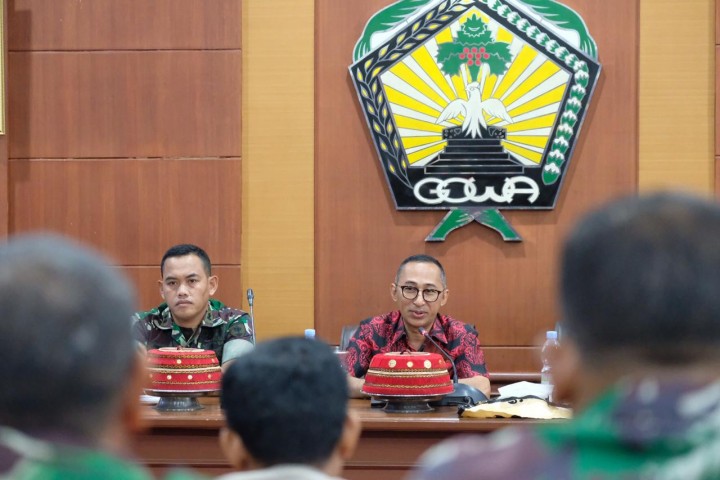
[
  {"x": 639, "y": 357},
  {"x": 189, "y": 317}
]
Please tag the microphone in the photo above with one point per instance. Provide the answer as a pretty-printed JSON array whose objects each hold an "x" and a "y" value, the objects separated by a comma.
[
  {"x": 250, "y": 297},
  {"x": 425, "y": 334},
  {"x": 462, "y": 394},
  {"x": 251, "y": 300}
]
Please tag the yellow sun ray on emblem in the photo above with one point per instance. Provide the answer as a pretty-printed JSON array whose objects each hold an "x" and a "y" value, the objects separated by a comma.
[
  {"x": 415, "y": 124},
  {"x": 400, "y": 99},
  {"x": 532, "y": 90},
  {"x": 411, "y": 142}
]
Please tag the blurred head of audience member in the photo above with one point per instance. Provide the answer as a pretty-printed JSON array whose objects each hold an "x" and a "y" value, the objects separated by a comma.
[
  {"x": 640, "y": 294},
  {"x": 287, "y": 412},
  {"x": 70, "y": 373},
  {"x": 639, "y": 357}
]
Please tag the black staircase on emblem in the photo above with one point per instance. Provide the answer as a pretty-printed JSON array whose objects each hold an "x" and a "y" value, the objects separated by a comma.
[{"x": 474, "y": 156}]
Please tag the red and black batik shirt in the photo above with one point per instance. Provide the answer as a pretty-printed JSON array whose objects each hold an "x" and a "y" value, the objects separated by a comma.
[{"x": 386, "y": 333}]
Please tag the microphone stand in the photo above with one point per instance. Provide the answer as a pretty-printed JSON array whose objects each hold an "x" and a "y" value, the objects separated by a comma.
[
  {"x": 462, "y": 394},
  {"x": 251, "y": 300}
]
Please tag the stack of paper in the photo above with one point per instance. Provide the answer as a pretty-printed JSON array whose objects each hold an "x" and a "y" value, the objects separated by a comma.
[{"x": 524, "y": 389}]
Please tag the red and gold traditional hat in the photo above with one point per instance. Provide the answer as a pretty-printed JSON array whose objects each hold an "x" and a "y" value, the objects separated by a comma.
[
  {"x": 183, "y": 370},
  {"x": 407, "y": 374}
]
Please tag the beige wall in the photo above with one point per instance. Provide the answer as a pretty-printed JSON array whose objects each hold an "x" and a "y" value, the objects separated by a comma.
[
  {"x": 676, "y": 122},
  {"x": 278, "y": 163},
  {"x": 677, "y": 95}
]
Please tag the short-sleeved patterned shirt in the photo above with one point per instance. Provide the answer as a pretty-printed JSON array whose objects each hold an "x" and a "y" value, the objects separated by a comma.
[
  {"x": 386, "y": 333},
  {"x": 645, "y": 429},
  {"x": 156, "y": 329}
]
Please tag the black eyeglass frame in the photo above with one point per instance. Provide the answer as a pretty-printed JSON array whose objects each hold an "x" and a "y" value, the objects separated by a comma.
[{"x": 425, "y": 291}]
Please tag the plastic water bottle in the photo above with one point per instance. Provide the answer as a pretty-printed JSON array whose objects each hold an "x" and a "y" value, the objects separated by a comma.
[
  {"x": 546, "y": 354},
  {"x": 310, "y": 333}
]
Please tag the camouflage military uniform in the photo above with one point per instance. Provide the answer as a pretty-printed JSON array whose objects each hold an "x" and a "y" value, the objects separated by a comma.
[
  {"x": 36, "y": 458},
  {"x": 649, "y": 429},
  {"x": 156, "y": 329}
]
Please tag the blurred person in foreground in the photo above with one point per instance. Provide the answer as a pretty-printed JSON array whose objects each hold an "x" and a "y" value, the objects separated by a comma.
[
  {"x": 70, "y": 375},
  {"x": 287, "y": 416},
  {"x": 639, "y": 357}
]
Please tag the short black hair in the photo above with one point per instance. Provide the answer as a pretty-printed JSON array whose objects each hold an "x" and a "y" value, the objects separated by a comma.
[
  {"x": 67, "y": 350},
  {"x": 287, "y": 400},
  {"x": 642, "y": 275},
  {"x": 421, "y": 258},
  {"x": 187, "y": 249}
]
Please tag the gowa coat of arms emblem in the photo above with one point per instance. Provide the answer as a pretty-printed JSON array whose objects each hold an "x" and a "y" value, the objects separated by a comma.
[{"x": 475, "y": 105}]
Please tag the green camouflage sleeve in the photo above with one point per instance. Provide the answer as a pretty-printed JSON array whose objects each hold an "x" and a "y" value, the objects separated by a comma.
[
  {"x": 238, "y": 338},
  {"x": 238, "y": 328},
  {"x": 139, "y": 329}
]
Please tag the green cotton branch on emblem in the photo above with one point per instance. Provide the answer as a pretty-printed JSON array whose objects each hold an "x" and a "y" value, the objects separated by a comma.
[{"x": 474, "y": 47}]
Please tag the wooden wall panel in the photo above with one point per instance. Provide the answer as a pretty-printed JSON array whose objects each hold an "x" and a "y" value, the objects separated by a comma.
[
  {"x": 132, "y": 209},
  {"x": 717, "y": 107},
  {"x": 278, "y": 163},
  {"x": 4, "y": 153},
  {"x": 106, "y": 31},
  {"x": 145, "y": 280},
  {"x": 504, "y": 359},
  {"x": 125, "y": 104},
  {"x": 4, "y": 187},
  {"x": 677, "y": 127},
  {"x": 125, "y": 121},
  {"x": 507, "y": 290},
  {"x": 124, "y": 24}
]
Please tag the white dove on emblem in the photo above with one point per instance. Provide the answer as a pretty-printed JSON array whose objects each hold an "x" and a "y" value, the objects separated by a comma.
[{"x": 474, "y": 109}]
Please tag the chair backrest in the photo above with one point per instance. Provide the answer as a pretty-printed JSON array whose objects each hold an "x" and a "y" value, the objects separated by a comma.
[{"x": 347, "y": 332}]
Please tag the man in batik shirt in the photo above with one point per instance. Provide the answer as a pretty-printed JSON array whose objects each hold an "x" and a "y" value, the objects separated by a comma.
[
  {"x": 639, "y": 358},
  {"x": 419, "y": 290},
  {"x": 189, "y": 317}
]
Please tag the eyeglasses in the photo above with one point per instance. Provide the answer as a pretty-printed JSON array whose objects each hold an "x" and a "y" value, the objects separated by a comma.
[{"x": 411, "y": 293}]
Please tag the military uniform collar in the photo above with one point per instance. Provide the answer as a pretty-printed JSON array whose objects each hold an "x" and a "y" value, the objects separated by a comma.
[{"x": 165, "y": 320}]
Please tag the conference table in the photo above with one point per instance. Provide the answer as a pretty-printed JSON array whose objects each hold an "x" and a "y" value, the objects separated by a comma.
[{"x": 389, "y": 446}]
